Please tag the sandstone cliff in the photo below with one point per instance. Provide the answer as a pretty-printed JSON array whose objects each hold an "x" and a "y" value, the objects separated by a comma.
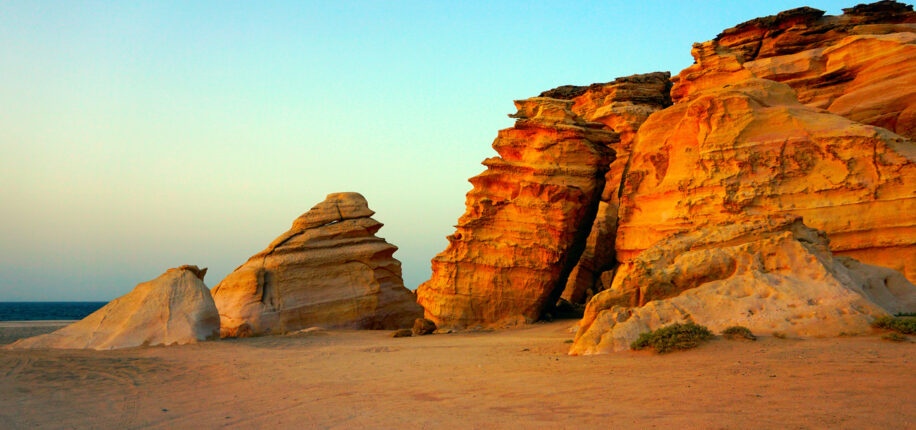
[
  {"x": 328, "y": 270},
  {"x": 737, "y": 143},
  {"x": 861, "y": 65},
  {"x": 175, "y": 308},
  {"x": 749, "y": 148},
  {"x": 770, "y": 274},
  {"x": 516, "y": 241}
]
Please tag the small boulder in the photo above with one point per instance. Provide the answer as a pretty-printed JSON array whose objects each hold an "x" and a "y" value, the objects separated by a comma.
[
  {"x": 311, "y": 331},
  {"x": 422, "y": 326},
  {"x": 403, "y": 332}
]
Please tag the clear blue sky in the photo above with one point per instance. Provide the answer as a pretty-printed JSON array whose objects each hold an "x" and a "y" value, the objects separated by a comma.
[{"x": 138, "y": 136}]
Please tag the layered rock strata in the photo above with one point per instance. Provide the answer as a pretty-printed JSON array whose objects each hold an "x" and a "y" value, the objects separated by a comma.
[
  {"x": 749, "y": 148},
  {"x": 861, "y": 65},
  {"x": 622, "y": 106},
  {"x": 514, "y": 245},
  {"x": 329, "y": 270},
  {"x": 175, "y": 308},
  {"x": 769, "y": 274}
]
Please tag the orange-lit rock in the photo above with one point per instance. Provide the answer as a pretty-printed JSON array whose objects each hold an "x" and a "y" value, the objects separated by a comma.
[
  {"x": 769, "y": 274},
  {"x": 512, "y": 246},
  {"x": 750, "y": 148},
  {"x": 622, "y": 106},
  {"x": 175, "y": 308},
  {"x": 861, "y": 65},
  {"x": 329, "y": 270}
]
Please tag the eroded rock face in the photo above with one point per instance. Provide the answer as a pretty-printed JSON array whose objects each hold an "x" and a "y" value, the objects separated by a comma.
[
  {"x": 750, "y": 148},
  {"x": 329, "y": 270},
  {"x": 622, "y": 106},
  {"x": 769, "y": 274},
  {"x": 514, "y": 243},
  {"x": 175, "y": 308},
  {"x": 861, "y": 65}
]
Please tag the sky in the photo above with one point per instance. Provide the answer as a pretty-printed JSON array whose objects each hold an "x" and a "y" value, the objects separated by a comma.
[{"x": 138, "y": 136}]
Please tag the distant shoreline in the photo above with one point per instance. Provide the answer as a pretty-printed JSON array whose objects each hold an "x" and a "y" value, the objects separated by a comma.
[
  {"x": 35, "y": 323},
  {"x": 93, "y": 302},
  {"x": 46, "y": 311}
]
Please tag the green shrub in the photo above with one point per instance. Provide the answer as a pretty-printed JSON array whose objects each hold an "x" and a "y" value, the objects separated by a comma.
[
  {"x": 905, "y": 325},
  {"x": 673, "y": 337},
  {"x": 779, "y": 335},
  {"x": 737, "y": 332},
  {"x": 894, "y": 337}
]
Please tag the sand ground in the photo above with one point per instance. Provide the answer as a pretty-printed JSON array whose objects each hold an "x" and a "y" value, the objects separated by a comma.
[{"x": 518, "y": 378}]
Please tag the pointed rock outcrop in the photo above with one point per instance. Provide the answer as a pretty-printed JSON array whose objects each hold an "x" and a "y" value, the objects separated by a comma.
[
  {"x": 175, "y": 308},
  {"x": 329, "y": 270},
  {"x": 515, "y": 244},
  {"x": 750, "y": 148},
  {"x": 769, "y": 274}
]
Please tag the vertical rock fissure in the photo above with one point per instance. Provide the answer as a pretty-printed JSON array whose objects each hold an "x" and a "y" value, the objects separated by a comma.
[{"x": 575, "y": 251}]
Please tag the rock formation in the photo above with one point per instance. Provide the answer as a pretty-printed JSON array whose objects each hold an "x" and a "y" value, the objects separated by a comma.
[
  {"x": 861, "y": 65},
  {"x": 514, "y": 245},
  {"x": 749, "y": 148},
  {"x": 175, "y": 308},
  {"x": 736, "y": 144},
  {"x": 622, "y": 106},
  {"x": 329, "y": 270},
  {"x": 769, "y": 274}
]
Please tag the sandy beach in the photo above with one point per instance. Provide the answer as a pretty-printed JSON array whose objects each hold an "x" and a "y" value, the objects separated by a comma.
[
  {"x": 518, "y": 378},
  {"x": 14, "y": 330}
]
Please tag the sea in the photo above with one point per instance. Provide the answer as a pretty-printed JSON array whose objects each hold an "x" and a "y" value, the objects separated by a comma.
[{"x": 35, "y": 311}]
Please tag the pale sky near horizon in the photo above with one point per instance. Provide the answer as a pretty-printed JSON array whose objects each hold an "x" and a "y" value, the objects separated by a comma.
[{"x": 139, "y": 136}]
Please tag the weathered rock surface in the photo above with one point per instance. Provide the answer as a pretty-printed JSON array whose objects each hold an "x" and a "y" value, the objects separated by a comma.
[
  {"x": 175, "y": 308},
  {"x": 750, "y": 148},
  {"x": 622, "y": 106},
  {"x": 861, "y": 65},
  {"x": 329, "y": 270},
  {"x": 514, "y": 243},
  {"x": 769, "y": 274}
]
